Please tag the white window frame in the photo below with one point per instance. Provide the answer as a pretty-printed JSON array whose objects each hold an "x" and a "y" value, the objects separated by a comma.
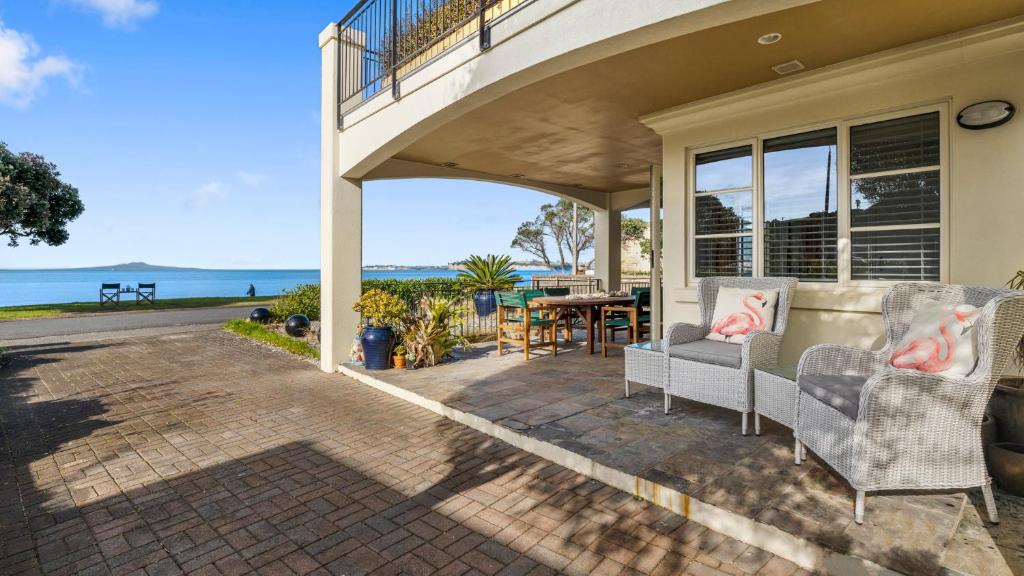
[
  {"x": 844, "y": 186},
  {"x": 755, "y": 184}
]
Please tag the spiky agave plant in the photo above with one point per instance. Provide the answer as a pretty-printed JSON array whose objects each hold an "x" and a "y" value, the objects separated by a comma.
[
  {"x": 490, "y": 272},
  {"x": 1017, "y": 283}
]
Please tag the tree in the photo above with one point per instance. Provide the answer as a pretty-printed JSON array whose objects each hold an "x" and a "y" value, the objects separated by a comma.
[
  {"x": 34, "y": 202},
  {"x": 532, "y": 239},
  {"x": 635, "y": 229},
  {"x": 556, "y": 223}
]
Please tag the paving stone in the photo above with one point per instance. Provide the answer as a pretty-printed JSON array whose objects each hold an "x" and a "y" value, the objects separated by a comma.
[{"x": 201, "y": 453}]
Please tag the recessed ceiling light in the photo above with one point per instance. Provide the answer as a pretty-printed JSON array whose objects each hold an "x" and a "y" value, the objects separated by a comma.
[
  {"x": 518, "y": 175},
  {"x": 770, "y": 38},
  {"x": 788, "y": 67},
  {"x": 450, "y": 164},
  {"x": 622, "y": 165}
]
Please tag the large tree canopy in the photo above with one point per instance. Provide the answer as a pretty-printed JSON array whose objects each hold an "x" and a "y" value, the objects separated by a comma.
[
  {"x": 34, "y": 202},
  {"x": 555, "y": 222}
]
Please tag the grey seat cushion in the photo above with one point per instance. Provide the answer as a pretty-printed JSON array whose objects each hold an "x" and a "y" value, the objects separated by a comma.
[
  {"x": 839, "y": 392},
  {"x": 709, "y": 352}
]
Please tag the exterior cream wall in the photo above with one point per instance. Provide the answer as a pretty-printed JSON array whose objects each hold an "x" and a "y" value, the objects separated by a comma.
[{"x": 985, "y": 168}]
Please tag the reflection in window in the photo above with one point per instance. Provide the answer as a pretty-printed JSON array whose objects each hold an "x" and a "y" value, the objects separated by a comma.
[
  {"x": 724, "y": 212},
  {"x": 801, "y": 206},
  {"x": 895, "y": 199},
  {"x": 724, "y": 256}
]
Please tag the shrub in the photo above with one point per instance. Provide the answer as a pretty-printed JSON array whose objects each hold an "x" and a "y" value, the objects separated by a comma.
[
  {"x": 413, "y": 290},
  {"x": 381, "y": 308},
  {"x": 428, "y": 336},
  {"x": 303, "y": 299}
]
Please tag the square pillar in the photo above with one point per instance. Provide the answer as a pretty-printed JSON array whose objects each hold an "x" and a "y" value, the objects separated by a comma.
[
  {"x": 608, "y": 248},
  {"x": 341, "y": 223},
  {"x": 656, "y": 297}
]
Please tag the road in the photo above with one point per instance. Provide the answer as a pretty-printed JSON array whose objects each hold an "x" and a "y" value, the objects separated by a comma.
[{"x": 116, "y": 322}]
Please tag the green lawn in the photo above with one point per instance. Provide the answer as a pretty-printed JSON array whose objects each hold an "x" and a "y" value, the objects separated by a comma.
[
  {"x": 261, "y": 334},
  {"x": 71, "y": 308}
]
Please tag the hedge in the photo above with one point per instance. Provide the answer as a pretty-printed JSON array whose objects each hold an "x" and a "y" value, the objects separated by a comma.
[{"x": 305, "y": 299}]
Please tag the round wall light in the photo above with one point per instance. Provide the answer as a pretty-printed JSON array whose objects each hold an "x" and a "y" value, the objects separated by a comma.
[
  {"x": 770, "y": 38},
  {"x": 988, "y": 114}
]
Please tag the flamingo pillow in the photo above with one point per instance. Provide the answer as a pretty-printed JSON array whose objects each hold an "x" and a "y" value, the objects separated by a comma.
[
  {"x": 739, "y": 311},
  {"x": 941, "y": 339}
]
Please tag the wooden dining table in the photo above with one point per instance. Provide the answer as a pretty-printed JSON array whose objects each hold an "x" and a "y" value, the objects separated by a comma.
[{"x": 589, "y": 309}]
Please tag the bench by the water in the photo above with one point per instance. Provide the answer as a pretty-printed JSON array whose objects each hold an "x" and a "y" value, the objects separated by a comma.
[{"x": 110, "y": 293}]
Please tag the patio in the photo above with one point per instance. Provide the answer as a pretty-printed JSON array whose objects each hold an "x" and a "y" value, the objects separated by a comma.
[{"x": 571, "y": 410}]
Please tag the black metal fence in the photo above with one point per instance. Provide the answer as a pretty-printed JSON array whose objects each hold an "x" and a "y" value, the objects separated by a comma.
[
  {"x": 380, "y": 41},
  {"x": 475, "y": 326}
]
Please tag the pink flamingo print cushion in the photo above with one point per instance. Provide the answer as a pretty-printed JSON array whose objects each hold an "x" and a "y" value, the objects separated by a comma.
[
  {"x": 941, "y": 339},
  {"x": 739, "y": 312}
]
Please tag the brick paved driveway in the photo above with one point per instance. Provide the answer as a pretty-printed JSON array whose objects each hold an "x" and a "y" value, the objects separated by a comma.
[{"x": 201, "y": 453}]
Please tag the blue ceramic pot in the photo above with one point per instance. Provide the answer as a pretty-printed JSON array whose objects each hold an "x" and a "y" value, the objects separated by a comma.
[
  {"x": 484, "y": 302},
  {"x": 377, "y": 344}
]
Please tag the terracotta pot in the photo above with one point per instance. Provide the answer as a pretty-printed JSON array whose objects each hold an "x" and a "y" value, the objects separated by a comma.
[
  {"x": 1007, "y": 407},
  {"x": 399, "y": 361},
  {"x": 1008, "y": 466}
]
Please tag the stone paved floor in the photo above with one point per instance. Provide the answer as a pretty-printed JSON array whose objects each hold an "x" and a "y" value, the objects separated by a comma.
[
  {"x": 203, "y": 454},
  {"x": 576, "y": 401}
]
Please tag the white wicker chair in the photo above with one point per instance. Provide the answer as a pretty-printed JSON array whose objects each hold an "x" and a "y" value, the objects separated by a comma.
[
  {"x": 720, "y": 373},
  {"x": 883, "y": 428}
]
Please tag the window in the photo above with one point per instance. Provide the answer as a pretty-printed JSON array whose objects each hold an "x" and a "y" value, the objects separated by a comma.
[
  {"x": 724, "y": 212},
  {"x": 795, "y": 213},
  {"x": 801, "y": 206},
  {"x": 894, "y": 212}
]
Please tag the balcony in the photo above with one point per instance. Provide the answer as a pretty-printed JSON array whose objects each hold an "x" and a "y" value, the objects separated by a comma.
[{"x": 383, "y": 41}]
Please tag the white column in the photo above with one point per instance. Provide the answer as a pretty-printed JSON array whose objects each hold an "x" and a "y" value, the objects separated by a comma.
[
  {"x": 341, "y": 226},
  {"x": 655, "y": 253},
  {"x": 608, "y": 247}
]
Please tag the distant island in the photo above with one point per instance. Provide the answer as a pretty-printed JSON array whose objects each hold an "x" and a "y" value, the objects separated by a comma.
[{"x": 130, "y": 267}]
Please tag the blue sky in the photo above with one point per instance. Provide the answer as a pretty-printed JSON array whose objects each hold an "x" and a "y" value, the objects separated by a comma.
[{"x": 191, "y": 129}]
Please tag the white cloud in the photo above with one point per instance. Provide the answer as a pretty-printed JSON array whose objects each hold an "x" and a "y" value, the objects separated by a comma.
[
  {"x": 207, "y": 194},
  {"x": 252, "y": 179},
  {"x": 121, "y": 13},
  {"x": 23, "y": 72}
]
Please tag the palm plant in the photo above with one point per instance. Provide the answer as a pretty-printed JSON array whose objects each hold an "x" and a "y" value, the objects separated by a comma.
[
  {"x": 1017, "y": 283},
  {"x": 428, "y": 331},
  {"x": 489, "y": 273},
  {"x": 484, "y": 275}
]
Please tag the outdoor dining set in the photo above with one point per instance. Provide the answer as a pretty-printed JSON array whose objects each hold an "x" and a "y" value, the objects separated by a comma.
[
  {"x": 549, "y": 311},
  {"x": 905, "y": 417}
]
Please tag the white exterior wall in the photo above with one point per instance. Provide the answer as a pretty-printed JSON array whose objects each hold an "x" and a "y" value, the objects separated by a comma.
[{"x": 985, "y": 169}]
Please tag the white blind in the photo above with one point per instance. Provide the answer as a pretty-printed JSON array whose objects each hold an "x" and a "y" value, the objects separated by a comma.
[{"x": 895, "y": 178}]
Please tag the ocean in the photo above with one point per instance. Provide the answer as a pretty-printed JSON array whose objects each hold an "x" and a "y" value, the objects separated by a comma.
[{"x": 20, "y": 287}]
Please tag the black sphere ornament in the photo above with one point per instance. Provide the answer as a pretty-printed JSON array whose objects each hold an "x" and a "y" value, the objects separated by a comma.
[
  {"x": 296, "y": 325},
  {"x": 259, "y": 316}
]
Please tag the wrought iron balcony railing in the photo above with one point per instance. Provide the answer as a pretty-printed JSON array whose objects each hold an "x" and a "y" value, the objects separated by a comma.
[{"x": 381, "y": 41}]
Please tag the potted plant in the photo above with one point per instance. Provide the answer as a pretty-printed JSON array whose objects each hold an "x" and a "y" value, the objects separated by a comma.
[
  {"x": 399, "y": 357},
  {"x": 486, "y": 275},
  {"x": 1007, "y": 407},
  {"x": 382, "y": 314},
  {"x": 428, "y": 331}
]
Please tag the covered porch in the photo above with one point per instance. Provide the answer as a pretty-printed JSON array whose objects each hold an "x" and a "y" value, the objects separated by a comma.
[{"x": 571, "y": 409}]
